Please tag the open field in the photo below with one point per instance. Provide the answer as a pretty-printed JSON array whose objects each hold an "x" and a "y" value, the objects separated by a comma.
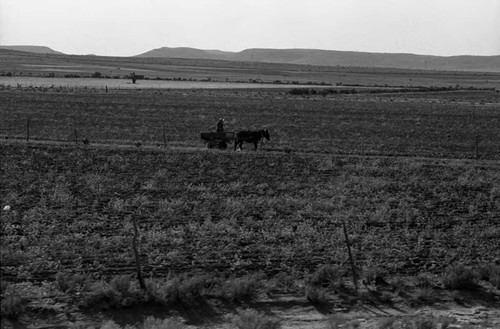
[
  {"x": 236, "y": 214},
  {"x": 415, "y": 176},
  {"x": 102, "y": 84},
  {"x": 240, "y": 212},
  {"x": 59, "y": 66},
  {"x": 428, "y": 124}
]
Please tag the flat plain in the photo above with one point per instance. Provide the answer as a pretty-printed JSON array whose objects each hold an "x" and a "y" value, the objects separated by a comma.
[{"x": 414, "y": 176}]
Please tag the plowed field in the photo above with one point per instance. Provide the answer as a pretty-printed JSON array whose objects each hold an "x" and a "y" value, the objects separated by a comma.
[
  {"x": 435, "y": 124},
  {"x": 71, "y": 208}
]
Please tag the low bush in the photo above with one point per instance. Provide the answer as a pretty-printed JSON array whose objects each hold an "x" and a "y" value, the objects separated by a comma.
[
  {"x": 316, "y": 295},
  {"x": 70, "y": 282},
  {"x": 495, "y": 279},
  {"x": 13, "y": 303},
  {"x": 185, "y": 290},
  {"x": 282, "y": 283},
  {"x": 101, "y": 296},
  {"x": 490, "y": 272},
  {"x": 326, "y": 276},
  {"x": 120, "y": 292},
  {"x": 459, "y": 277},
  {"x": 240, "y": 289},
  {"x": 3, "y": 286},
  {"x": 425, "y": 296},
  {"x": 374, "y": 276},
  {"x": 121, "y": 284}
]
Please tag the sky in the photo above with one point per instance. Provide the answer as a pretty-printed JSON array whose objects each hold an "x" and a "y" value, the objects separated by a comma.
[{"x": 132, "y": 27}]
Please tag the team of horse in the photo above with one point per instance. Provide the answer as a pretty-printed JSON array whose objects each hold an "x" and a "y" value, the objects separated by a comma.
[
  {"x": 248, "y": 136},
  {"x": 221, "y": 138}
]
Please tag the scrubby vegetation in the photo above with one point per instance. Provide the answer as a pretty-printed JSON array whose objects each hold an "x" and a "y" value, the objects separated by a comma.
[{"x": 232, "y": 228}]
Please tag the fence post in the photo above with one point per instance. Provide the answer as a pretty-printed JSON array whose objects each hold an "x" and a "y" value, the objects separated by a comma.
[
  {"x": 164, "y": 138},
  {"x": 476, "y": 146},
  {"x": 353, "y": 267},
  {"x": 136, "y": 254},
  {"x": 28, "y": 130}
]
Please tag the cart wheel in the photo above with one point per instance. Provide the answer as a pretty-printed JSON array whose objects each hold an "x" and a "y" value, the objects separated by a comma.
[{"x": 222, "y": 145}]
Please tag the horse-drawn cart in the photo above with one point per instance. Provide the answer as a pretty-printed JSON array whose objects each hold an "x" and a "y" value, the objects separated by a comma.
[{"x": 218, "y": 139}]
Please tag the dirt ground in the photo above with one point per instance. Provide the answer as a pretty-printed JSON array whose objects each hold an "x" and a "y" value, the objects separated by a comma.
[{"x": 478, "y": 309}]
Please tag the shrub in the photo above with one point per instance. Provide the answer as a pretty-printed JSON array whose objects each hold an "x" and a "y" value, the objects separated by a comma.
[
  {"x": 13, "y": 303},
  {"x": 121, "y": 284},
  {"x": 490, "y": 272},
  {"x": 374, "y": 276},
  {"x": 495, "y": 279},
  {"x": 326, "y": 276},
  {"x": 3, "y": 286},
  {"x": 102, "y": 296},
  {"x": 316, "y": 295},
  {"x": 240, "y": 289},
  {"x": 252, "y": 319},
  {"x": 183, "y": 289},
  {"x": 120, "y": 292},
  {"x": 426, "y": 295},
  {"x": 400, "y": 285},
  {"x": 69, "y": 282},
  {"x": 282, "y": 282},
  {"x": 459, "y": 277}
]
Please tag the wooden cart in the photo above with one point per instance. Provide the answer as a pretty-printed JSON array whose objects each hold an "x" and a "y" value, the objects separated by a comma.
[{"x": 218, "y": 140}]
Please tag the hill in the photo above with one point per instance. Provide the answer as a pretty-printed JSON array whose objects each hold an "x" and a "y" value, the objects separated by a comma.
[
  {"x": 33, "y": 49},
  {"x": 315, "y": 57},
  {"x": 338, "y": 58},
  {"x": 186, "y": 52}
]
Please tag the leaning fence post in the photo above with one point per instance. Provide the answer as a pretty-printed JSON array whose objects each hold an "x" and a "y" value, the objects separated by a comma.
[{"x": 353, "y": 268}]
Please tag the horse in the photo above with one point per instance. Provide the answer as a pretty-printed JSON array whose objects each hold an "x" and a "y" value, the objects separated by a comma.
[{"x": 250, "y": 137}]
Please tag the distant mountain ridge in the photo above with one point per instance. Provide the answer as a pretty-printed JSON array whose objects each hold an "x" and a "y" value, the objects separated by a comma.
[
  {"x": 337, "y": 58},
  {"x": 315, "y": 57},
  {"x": 33, "y": 49}
]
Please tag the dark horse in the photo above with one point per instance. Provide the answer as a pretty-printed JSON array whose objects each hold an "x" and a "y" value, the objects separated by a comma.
[{"x": 250, "y": 137}]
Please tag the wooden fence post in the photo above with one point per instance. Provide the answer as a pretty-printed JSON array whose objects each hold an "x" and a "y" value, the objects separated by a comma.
[
  {"x": 353, "y": 267},
  {"x": 164, "y": 138},
  {"x": 28, "y": 130},
  {"x": 137, "y": 257},
  {"x": 476, "y": 146}
]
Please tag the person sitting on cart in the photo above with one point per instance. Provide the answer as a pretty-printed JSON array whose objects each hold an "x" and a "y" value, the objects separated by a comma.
[{"x": 220, "y": 125}]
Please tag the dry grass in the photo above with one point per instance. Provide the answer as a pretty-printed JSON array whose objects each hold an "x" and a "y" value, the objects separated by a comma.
[{"x": 459, "y": 277}]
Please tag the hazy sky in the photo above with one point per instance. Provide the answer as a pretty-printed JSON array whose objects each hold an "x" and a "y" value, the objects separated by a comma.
[{"x": 131, "y": 27}]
